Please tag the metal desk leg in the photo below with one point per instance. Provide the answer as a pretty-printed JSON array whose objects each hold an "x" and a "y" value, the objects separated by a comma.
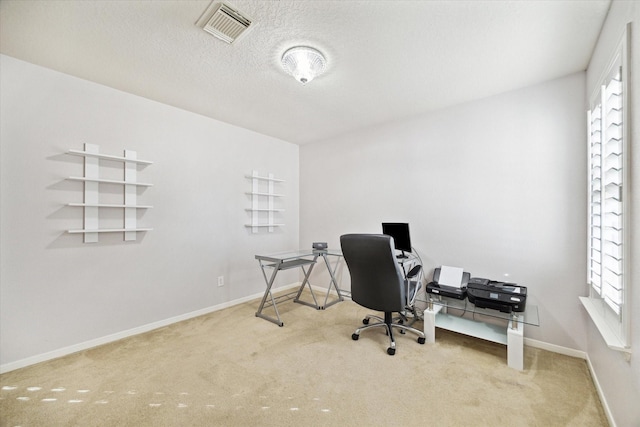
[
  {"x": 268, "y": 293},
  {"x": 332, "y": 282},
  {"x": 304, "y": 283}
]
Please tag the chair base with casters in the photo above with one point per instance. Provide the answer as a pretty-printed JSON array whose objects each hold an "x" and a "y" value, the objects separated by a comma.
[{"x": 387, "y": 323}]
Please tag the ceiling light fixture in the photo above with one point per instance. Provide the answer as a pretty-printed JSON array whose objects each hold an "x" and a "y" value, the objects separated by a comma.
[{"x": 303, "y": 63}]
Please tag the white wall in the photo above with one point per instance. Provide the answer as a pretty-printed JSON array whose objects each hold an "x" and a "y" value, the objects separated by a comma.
[
  {"x": 619, "y": 378},
  {"x": 57, "y": 292},
  {"x": 495, "y": 186}
]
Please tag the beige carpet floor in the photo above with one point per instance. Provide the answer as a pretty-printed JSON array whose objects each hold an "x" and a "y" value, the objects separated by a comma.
[{"x": 230, "y": 368}]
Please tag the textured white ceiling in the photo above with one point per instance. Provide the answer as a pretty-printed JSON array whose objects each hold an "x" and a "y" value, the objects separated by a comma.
[{"x": 386, "y": 59}]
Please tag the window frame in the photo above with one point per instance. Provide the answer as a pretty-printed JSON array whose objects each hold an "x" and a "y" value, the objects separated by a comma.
[{"x": 614, "y": 325}]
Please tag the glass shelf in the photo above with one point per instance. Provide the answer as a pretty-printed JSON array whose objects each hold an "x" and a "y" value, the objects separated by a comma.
[{"x": 453, "y": 306}]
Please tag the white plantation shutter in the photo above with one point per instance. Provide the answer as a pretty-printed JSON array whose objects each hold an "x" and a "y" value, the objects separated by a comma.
[
  {"x": 611, "y": 193},
  {"x": 595, "y": 199},
  {"x": 608, "y": 194}
]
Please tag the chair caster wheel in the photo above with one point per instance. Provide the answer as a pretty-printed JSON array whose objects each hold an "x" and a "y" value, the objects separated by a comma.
[
  {"x": 365, "y": 321},
  {"x": 391, "y": 351},
  {"x": 355, "y": 337},
  {"x": 421, "y": 340}
]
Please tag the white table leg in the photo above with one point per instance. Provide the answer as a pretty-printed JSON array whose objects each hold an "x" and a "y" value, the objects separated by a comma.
[
  {"x": 429, "y": 315},
  {"x": 515, "y": 344}
]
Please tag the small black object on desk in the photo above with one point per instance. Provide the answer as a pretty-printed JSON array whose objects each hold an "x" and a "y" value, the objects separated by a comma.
[{"x": 319, "y": 246}]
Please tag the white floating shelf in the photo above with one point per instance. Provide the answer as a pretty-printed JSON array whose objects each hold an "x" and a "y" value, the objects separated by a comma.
[
  {"x": 263, "y": 202},
  {"x": 106, "y": 205},
  {"x": 109, "y": 230},
  {"x": 91, "y": 202},
  {"x": 109, "y": 181},
  {"x": 265, "y": 178},
  {"x": 258, "y": 193},
  {"x": 108, "y": 157}
]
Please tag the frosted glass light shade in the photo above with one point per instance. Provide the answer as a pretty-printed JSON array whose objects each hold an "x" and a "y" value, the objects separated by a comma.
[{"x": 303, "y": 63}]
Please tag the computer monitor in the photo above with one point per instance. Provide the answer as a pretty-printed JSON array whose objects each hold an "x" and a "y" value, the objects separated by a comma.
[{"x": 400, "y": 233}]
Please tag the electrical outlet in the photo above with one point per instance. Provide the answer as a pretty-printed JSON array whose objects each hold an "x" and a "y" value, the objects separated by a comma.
[{"x": 220, "y": 281}]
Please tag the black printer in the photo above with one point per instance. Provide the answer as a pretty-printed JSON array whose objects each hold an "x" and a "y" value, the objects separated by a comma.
[
  {"x": 506, "y": 297},
  {"x": 434, "y": 287}
]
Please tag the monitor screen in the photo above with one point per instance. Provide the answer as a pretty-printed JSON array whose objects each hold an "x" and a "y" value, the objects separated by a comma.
[{"x": 400, "y": 233}]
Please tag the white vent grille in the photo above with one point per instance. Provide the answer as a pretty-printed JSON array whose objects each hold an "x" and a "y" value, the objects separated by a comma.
[{"x": 227, "y": 24}]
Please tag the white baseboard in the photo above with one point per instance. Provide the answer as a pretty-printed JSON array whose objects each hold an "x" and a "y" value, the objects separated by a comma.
[
  {"x": 555, "y": 348},
  {"x": 64, "y": 351},
  {"x": 603, "y": 400}
]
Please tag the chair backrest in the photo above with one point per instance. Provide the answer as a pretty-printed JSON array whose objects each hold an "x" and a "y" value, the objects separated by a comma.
[{"x": 377, "y": 281}]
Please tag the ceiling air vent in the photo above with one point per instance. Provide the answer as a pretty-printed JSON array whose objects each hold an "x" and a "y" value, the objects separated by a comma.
[{"x": 227, "y": 24}]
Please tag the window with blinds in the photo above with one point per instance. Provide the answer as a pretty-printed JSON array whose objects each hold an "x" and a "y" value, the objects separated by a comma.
[
  {"x": 606, "y": 203},
  {"x": 607, "y": 243}
]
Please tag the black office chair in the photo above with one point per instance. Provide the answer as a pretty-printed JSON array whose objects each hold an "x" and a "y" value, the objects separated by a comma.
[{"x": 377, "y": 282}]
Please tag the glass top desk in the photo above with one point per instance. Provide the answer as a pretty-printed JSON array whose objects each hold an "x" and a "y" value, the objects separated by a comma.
[
  {"x": 304, "y": 259},
  {"x": 464, "y": 317}
]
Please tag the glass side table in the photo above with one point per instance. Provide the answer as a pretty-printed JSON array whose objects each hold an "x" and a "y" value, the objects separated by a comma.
[{"x": 464, "y": 317}]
